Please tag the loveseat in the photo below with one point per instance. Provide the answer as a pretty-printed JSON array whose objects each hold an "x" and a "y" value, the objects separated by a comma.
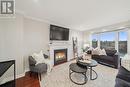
[{"x": 111, "y": 58}]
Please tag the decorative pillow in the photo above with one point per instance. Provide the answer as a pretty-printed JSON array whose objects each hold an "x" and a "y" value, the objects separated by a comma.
[
  {"x": 111, "y": 52},
  {"x": 125, "y": 62},
  {"x": 38, "y": 57},
  {"x": 102, "y": 52},
  {"x": 96, "y": 51},
  {"x": 90, "y": 48},
  {"x": 45, "y": 56}
]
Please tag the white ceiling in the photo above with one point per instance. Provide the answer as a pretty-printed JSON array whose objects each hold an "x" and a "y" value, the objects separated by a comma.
[{"x": 77, "y": 14}]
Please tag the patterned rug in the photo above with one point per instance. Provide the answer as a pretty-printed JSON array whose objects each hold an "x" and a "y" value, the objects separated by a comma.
[{"x": 59, "y": 77}]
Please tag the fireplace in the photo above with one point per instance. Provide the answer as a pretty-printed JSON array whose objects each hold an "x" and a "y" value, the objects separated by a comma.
[{"x": 60, "y": 56}]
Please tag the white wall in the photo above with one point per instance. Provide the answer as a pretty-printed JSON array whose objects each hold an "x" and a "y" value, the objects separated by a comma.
[
  {"x": 87, "y": 37},
  {"x": 35, "y": 38},
  {"x": 11, "y": 42}
]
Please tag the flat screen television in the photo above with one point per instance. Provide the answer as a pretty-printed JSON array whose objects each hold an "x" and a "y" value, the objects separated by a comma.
[{"x": 59, "y": 33}]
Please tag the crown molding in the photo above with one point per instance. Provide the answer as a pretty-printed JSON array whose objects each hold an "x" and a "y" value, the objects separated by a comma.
[{"x": 38, "y": 19}]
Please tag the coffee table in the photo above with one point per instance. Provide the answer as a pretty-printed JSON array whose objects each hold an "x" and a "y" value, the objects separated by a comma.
[
  {"x": 74, "y": 68},
  {"x": 90, "y": 66}
]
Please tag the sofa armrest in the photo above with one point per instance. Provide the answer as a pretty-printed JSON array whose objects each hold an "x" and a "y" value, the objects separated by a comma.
[
  {"x": 32, "y": 61},
  {"x": 116, "y": 60}
]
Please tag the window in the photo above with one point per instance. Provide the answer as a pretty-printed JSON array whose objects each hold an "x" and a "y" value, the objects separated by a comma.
[
  {"x": 112, "y": 40},
  {"x": 107, "y": 40},
  {"x": 94, "y": 40},
  {"x": 122, "y": 43}
]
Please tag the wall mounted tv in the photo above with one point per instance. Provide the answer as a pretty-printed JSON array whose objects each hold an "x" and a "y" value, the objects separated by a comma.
[{"x": 59, "y": 33}]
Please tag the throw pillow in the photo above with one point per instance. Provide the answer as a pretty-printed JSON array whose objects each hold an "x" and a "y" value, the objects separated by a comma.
[
  {"x": 45, "y": 56},
  {"x": 125, "y": 62},
  {"x": 96, "y": 51},
  {"x": 91, "y": 48},
  {"x": 38, "y": 57},
  {"x": 102, "y": 52},
  {"x": 111, "y": 52}
]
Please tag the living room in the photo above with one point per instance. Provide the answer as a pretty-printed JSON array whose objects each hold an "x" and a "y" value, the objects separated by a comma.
[{"x": 86, "y": 25}]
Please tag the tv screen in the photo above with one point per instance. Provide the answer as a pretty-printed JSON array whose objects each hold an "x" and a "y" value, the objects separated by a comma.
[{"x": 59, "y": 33}]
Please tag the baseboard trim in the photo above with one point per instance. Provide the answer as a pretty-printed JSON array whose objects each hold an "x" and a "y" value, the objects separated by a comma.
[
  {"x": 27, "y": 70},
  {"x": 20, "y": 75}
]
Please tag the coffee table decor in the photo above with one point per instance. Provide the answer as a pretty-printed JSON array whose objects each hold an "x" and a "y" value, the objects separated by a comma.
[{"x": 85, "y": 61}]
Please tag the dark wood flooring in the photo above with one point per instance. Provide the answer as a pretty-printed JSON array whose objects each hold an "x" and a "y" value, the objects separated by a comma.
[{"x": 28, "y": 81}]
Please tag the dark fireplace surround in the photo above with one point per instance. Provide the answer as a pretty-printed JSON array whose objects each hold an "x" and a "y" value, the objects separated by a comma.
[{"x": 60, "y": 56}]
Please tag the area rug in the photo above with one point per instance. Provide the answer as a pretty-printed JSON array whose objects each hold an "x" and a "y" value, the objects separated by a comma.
[{"x": 59, "y": 77}]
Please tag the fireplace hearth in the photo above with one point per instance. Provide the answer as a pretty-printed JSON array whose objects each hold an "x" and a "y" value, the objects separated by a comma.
[{"x": 60, "y": 56}]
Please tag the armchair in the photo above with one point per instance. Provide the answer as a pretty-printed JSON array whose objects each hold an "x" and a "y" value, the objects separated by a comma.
[{"x": 39, "y": 68}]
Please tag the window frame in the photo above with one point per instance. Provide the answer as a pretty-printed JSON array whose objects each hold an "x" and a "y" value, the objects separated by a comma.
[
  {"x": 125, "y": 30},
  {"x": 116, "y": 37}
]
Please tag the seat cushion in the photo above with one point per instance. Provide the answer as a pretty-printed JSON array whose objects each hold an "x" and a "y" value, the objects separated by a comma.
[
  {"x": 40, "y": 68},
  {"x": 108, "y": 58}
]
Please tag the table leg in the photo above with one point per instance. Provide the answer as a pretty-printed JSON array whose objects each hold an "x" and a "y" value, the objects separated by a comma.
[
  {"x": 91, "y": 71},
  {"x": 85, "y": 78}
]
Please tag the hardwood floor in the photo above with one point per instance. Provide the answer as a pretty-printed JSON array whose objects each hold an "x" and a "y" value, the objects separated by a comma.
[{"x": 28, "y": 81}]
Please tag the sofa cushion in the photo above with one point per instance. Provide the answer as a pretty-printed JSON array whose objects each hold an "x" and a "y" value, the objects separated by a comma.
[
  {"x": 108, "y": 58},
  {"x": 42, "y": 67},
  {"x": 102, "y": 52},
  {"x": 96, "y": 51},
  {"x": 111, "y": 52}
]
